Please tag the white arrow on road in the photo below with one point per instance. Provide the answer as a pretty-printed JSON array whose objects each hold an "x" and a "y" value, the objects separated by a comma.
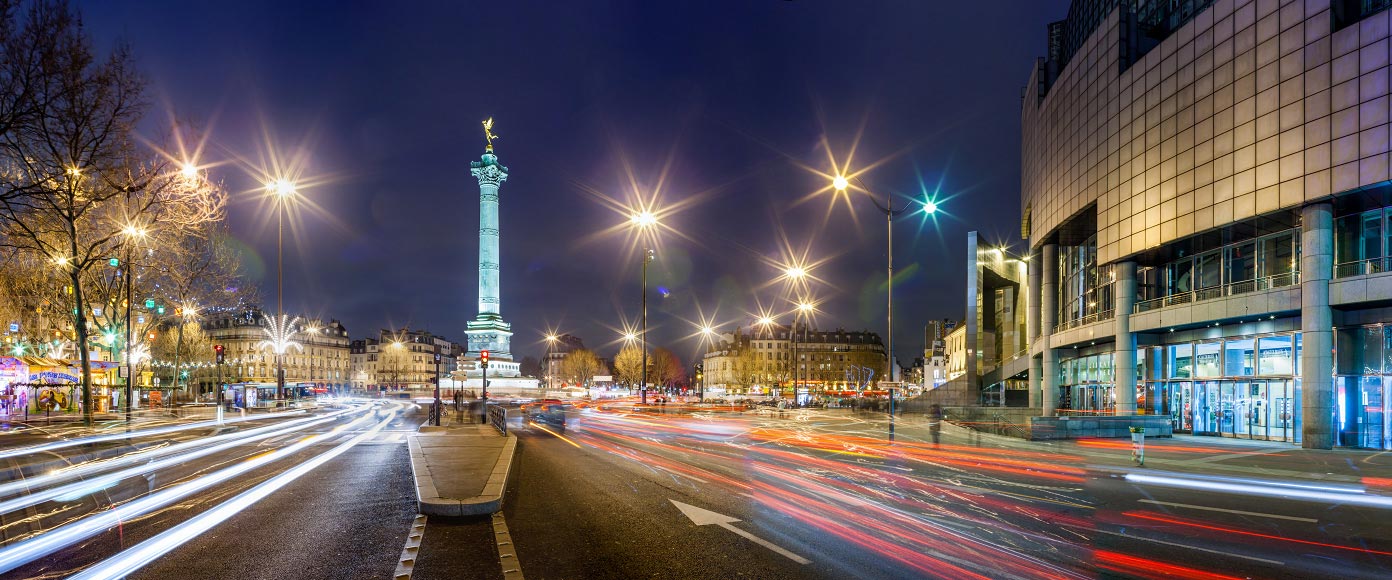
[{"x": 702, "y": 517}]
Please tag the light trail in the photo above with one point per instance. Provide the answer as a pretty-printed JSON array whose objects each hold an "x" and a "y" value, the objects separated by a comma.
[
  {"x": 93, "y": 466},
  {"x": 1266, "y": 489},
  {"x": 128, "y": 561},
  {"x": 58, "y": 538},
  {"x": 31, "y": 449},
  {"x": 82, "y": 488}
]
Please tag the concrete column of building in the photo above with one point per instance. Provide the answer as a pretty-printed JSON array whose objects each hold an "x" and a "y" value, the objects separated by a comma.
[
  {"x": 1124, "y": 361},
  {"x": 1036, "y": 366},
  {"x": 1048, "y": 317},
  {"x": 1317, "y": 325}
]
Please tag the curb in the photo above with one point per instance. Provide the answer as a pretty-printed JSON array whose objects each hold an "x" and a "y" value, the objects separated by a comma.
[{"x": 490, "y": 501}]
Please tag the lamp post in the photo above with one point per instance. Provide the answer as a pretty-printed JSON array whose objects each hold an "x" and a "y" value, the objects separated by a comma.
[
  {"x": 435, "y": 413},
  {"x": 840, "y": 183},
  {"x": 804, "y": 310},
  {"x": 644, "y": 220},
  {"x": 137, "y": 233},
  {"x": 550, "y": 373},
  {"x": 707, "y": 338},
  {"x": 282, "y": 190}
]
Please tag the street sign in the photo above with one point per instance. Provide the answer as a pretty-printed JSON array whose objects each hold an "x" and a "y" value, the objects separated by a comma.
[
  {"x": 124, "y": 372},
  {"x": 14, "y": 327}
]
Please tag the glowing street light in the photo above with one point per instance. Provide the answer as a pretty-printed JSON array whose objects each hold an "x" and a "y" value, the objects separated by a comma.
[
  {"x": 282, "y": 189},
  {"x": 839, "y": 183},
  {"x": 551, "y": 339},
  {"x": 188, "y": 170},
  {"x": 929, "y": 207},
  {"x": 643, "y": 219},
  {"x": 795, "y": 272}
]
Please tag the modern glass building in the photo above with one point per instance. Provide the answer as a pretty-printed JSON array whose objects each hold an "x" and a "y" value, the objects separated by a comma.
[{"x": 1205, "y": 193}]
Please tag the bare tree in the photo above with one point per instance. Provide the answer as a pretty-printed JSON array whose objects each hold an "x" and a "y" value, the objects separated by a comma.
[
  {"x": 628, "y": 365},
  {"x": 393, "y": 362},
  {"x": 745, "y": 367},
  {"x": 75, "y": 183},
  {"x": 581, "y": 366},
  {"x": 666, "y": 367}
]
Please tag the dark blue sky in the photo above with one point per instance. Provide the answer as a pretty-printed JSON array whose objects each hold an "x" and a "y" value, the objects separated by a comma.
[{"x": 732, "y": 96}]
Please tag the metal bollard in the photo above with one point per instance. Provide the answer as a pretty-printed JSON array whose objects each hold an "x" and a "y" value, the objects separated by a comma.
[{"x": 1138, "y": 445}]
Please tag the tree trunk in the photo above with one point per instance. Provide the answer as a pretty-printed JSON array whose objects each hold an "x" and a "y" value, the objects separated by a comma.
[{"x": 80, "y": 324}]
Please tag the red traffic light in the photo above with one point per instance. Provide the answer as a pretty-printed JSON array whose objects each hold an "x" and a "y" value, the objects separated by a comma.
[
  {"x": 217, "y": 348},
  {"x": 483, "y": 356}
]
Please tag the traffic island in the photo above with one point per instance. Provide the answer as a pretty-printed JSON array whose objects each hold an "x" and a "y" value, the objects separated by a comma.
[{"x": 461, "y": 470}]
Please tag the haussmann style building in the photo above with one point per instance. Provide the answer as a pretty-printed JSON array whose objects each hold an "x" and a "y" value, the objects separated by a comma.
[{"x": 1206, "y": 201}]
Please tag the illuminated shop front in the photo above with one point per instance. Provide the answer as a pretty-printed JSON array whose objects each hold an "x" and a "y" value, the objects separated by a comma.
[{"x": 1241, "y": 386}]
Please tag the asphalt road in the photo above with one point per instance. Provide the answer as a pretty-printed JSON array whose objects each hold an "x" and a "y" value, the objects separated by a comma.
[
  {"x": 598, "y": 503},
  {"x": 344, "y": 518}
]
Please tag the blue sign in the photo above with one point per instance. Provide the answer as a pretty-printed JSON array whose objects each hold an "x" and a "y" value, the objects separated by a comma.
[{"x": 14, "y": 327}]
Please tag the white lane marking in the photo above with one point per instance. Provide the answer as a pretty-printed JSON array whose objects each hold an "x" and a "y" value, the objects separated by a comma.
[
  {"x": 407, "y": 564},
  {"x": 132, "y": 559},
  {"x": 702, "y": 517},
  {"x": 1228, "y": 511},
  {"x": 1178, "y": 545},
  {"x": 507, "y": 551},
  {"x": 54, "y": 539}
]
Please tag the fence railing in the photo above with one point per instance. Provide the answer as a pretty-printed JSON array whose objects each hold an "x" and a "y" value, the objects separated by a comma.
[
  {"x": 497, "y": 417},
  {"x": 1233, "y": 289},
  {"x": 1084, "y": 321},
  {"x": 1363, "y": 267}
]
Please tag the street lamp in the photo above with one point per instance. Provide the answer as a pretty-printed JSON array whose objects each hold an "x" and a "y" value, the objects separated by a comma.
[
  {"x": 550, "y": 347},
  {"x": 707, "y": 338},
  {"x": 132, "y": 233},
  {"x": 282, "y": 190},
  {"x": 804, "y": 309},
  {"x": 840, "y": 183}
]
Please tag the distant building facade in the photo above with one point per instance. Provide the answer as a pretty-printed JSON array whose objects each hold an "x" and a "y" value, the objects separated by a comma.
[{"x": 322, "y": 359}]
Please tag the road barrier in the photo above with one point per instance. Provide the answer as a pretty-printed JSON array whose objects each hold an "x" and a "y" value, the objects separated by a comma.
[{"x": 497, "y": 417}]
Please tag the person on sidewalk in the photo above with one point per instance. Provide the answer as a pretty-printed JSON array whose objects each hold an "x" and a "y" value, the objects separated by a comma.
[{"x": 935, "y": 418}]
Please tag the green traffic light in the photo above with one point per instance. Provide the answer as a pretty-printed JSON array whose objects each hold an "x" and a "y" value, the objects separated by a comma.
[{"x": 114, "y": 262}]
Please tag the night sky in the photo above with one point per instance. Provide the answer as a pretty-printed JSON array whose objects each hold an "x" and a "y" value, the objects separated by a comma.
[{"x": 725, "y": 104}]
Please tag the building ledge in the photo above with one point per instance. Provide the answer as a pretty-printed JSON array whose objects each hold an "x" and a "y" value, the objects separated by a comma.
[
  {"x": 1374, "y": 287},
  {"x": 1239, "y": 306}
]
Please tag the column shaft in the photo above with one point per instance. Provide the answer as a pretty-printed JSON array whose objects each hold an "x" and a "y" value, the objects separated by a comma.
[
  {"x": 1317, "y": 325},
  {"x": 1124, "y": 362},
  {"x": 1048, "y": 317},
  {"x": 1036, "y": 369},
  {"x": 489, "y": 291}
]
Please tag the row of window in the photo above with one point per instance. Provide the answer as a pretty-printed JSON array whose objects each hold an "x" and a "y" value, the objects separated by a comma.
[{"x": 1275, "y": 355}]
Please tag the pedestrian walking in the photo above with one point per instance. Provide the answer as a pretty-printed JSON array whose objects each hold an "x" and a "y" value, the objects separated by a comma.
[{"x": 935, "y": 418}]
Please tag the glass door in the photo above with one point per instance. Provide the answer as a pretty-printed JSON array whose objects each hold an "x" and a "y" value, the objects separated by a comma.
[
  {"x": 1243, "y": 407},
  {"x": 1205, "y": 408},
  {"x": 1227, "y": 417}
]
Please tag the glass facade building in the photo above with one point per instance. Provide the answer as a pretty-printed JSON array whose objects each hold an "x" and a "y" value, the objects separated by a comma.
[{"x": 1207, "y": 198}]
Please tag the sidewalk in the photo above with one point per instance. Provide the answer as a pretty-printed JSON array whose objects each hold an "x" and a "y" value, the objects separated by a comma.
[{"x": 461, "y": 470}]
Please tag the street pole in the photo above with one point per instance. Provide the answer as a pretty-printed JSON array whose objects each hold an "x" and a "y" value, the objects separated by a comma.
[
  {"x": 177, "y": 343},
  {"x": 437, "y": 389},
  {"x": 130, "y": 348},
  {"x": 890, "y": 212},
  {"x": 889, "y": 307},
  {"x": 280, "y": 291},
  {"x": 643, "y": 388}
]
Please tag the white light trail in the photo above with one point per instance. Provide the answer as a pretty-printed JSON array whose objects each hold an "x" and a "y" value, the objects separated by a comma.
[
  {"x": 61, "y": 475},
  {"x": 128, "y": 561},
  {"x": 20, "y": 451},
  {"x": 1267, "y": 489},
  {"x": 82, "y": 488},
  {"x": 21, "y": 553}
]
